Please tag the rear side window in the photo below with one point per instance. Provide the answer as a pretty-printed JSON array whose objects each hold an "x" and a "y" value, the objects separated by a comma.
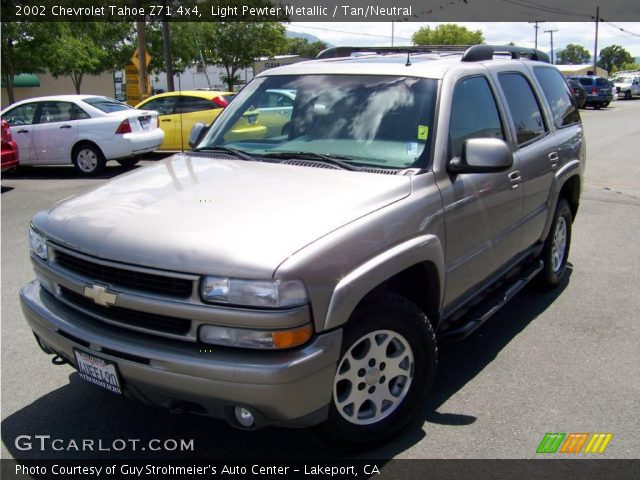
[
  {"x": 474, "y": 113},
  {"x": 188, "y": 104},
  {"x": 585, "y": 81},
  {"x": 523, "y": 107},
  {"x": 558, "y": 95},
  {"x": 601, "y": 81}
]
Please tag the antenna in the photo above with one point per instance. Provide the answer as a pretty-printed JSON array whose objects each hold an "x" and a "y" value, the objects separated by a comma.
[
  {"x": 408, "y": 64},
  {"x": 179, "y": 100}
]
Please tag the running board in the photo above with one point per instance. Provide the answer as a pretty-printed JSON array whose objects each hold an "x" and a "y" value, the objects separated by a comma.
[{"x": 490, "y": 305}]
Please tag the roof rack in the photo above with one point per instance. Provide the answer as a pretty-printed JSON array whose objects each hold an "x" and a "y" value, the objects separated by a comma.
[{"x": 470, "y": 53}]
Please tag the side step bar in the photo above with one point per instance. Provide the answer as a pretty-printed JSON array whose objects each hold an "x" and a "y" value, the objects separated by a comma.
[{"x": 494, "y": 301}]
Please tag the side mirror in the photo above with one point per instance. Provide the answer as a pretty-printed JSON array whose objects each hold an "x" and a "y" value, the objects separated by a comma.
[
  {"x": 197, "y": 132},
  {"x": 482, "y": 155}
]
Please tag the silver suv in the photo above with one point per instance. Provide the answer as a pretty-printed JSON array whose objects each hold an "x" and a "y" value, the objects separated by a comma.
[{"x": 302, "y": 273}]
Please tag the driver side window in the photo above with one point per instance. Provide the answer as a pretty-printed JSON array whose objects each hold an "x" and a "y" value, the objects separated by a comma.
[
  {"x": 22, "y": 115},
  {"x": 474, "y": 113}
]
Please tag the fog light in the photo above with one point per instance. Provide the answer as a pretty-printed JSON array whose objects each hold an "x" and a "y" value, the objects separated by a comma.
[{"x": 244, "y": 417}]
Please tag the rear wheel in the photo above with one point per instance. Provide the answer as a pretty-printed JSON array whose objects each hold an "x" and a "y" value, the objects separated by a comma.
[
  {"x": 597, "y": 106},
  {"x": 627, "y": 95},
  {"x": 88, "y": 159},
  {"x": 556, "y": 248},
  {"x": 386, "y": 368}
]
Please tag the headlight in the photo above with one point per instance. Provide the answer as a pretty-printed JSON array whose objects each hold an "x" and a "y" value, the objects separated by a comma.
[
  {"x": 245, "y": 338},
  {"x": 253, "y": 293},
  {"x": 37, "y": 244}
]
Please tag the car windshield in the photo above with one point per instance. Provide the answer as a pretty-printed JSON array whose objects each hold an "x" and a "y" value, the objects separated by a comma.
[
  {"x": 106, "y": 104},
  {"x": 371, "y": 121},
  {"x": 623, "y": 80}
]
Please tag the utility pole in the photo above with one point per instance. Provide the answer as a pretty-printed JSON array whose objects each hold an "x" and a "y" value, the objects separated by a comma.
[
  {"x": 168, "y": 59},
  {"x": 142, "y": 55},
  {"x": 551, "y": 32},
  {"x": 595, "y": 48},
  {"x": 536, "y": 26}
]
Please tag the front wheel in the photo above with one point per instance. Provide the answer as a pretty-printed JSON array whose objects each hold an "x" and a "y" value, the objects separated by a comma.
[
  {"x": 386, "y": 368},
  {"x": 556, "y": 248},
  {"x": 88, "y": 159}
]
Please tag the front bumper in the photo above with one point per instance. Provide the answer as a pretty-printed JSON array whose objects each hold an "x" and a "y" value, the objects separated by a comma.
[{"x": 286, "y": 388}]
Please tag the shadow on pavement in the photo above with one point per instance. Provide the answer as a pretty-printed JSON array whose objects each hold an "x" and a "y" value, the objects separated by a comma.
[{"x": 81, "y": 411}]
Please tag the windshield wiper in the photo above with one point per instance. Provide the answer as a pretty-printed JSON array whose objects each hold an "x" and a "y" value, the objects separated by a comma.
[
  {"x": 319, "y": 157},
  {"x": 219, "y": 148}
]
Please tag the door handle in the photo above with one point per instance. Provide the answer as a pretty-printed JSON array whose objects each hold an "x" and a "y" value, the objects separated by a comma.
[
  {"x": 165, "y": 120},
  {"x": 22, "y": 131},
  {"x": 514, "y": 178},
  {"x": 65, "y": 126},
  {"x": 553, "y": 158}
]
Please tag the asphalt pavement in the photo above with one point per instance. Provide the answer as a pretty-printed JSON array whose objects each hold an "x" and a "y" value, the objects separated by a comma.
[{"x": 562, "y": 361}]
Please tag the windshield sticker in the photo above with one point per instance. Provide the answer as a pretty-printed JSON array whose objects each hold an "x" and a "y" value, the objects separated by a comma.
[
  {"x": 412, "y": 149},
  {"x": 423, "y": 132}
]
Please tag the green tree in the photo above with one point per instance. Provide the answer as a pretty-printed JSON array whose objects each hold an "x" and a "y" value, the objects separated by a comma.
[
  {"x": 302, "y": 47},
  {"x": 573, "y": 54},
  {"x": 20, "y": 53},
  {"x": 613, "y": 57},
  {"x": 447, "y": 34},
  {"x": 183, "y": 45},
  {"x": 76, "y": 49},
  {"x": 235, "y": 45}
]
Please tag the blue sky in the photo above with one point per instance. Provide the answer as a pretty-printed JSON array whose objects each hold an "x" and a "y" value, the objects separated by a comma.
[{"x": 521, "y": 33}]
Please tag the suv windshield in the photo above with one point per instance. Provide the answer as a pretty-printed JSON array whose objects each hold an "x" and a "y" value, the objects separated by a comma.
[{"x": 373, "y": 121}]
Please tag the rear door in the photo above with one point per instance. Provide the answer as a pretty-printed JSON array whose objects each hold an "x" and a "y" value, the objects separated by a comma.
[
  {"x": 56, "y": 131},
  {"x": 190, "y": 110},
  {"x": 21, "y": 122}
]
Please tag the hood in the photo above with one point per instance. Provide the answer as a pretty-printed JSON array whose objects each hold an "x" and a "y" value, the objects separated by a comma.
[{"x": 208, "y": 215}]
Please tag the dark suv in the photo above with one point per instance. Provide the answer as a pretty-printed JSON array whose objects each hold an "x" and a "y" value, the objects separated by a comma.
[{"x": 599, "y": 91}]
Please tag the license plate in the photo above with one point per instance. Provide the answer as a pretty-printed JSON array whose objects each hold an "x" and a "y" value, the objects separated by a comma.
[
  {"x": 98, "y": 371},
  {"x": 144, "y": 122}
]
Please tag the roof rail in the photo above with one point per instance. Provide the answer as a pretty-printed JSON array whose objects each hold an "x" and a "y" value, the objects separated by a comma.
[
  {"x": 338, "y": 52},
  {"x": 471, "y": 53},
  {"x": 477, "y": 53}
]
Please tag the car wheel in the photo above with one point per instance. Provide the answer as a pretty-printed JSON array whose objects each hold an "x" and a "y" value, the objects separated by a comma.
[
  {"x": 597, "y": 106},
  {"x": 88, "y": 159},
  {"x": 128, "y": 162},
  {"x": 385, "y": 370},
  {"x": 627, "y": 95},
  {"x": 605, "y": 104},
  {"x": 556, "y": 248}
]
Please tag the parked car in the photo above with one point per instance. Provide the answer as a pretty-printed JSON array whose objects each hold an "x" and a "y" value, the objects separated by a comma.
[
  {"x": 10, "y": 158},
  {"x": 179, "y": 111},
  {"x": 598, "y": 89},
  {"x": 578, "y": 92},
  {"x": 627, "y": 85},
  {"x": 305, "y": 278},
  {"x": 86, "y": 130}
]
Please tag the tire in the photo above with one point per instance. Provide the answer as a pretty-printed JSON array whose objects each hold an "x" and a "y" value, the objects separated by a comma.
[
  {"x": 597, "y": 106},
  {"x": 605, "y": 104},
  {"x": 556, "y": 247},
  {"x": 387, "y": 404},
  {"x": 88, "y": 159},
  {"x": 627, "y": 95},
  {"x": 128, "y": 162}
]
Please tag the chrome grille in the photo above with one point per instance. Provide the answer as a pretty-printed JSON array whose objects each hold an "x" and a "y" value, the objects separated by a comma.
[
  {"x": 127, "y": 317},
  {"x": 121, "y": 277}
]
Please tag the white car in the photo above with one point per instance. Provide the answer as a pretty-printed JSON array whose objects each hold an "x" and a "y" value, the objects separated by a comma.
[{"x": 86, "y": 130}]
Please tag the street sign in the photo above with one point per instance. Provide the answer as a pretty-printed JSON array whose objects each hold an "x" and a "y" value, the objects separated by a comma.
[
  {"x": 132, "y": 85},
  {"x": 134, "y": 59}
]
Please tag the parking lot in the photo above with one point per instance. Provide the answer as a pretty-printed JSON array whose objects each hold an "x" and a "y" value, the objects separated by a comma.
[{"x": 564, "y": 361}]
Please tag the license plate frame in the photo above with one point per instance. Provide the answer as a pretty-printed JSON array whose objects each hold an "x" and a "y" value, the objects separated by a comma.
[{"x": 98, "y": 371}]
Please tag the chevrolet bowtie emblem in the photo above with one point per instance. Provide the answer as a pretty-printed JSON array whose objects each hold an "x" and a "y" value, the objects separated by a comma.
[{"x": 100, "y": 295}]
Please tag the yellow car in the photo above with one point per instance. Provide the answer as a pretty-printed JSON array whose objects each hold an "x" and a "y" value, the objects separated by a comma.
[{"x": 179, "y": 111}]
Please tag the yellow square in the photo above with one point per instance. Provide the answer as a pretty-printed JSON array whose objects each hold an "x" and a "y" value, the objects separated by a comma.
[{"x": 423, "y": 132}]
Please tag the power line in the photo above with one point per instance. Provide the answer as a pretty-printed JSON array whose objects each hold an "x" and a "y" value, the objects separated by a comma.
[
  {"x": 349, "y": 33},
  {"x": 620, "y": 28}
]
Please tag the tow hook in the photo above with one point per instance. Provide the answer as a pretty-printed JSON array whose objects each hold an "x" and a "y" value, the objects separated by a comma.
[{"x": 58, "y": 360}]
